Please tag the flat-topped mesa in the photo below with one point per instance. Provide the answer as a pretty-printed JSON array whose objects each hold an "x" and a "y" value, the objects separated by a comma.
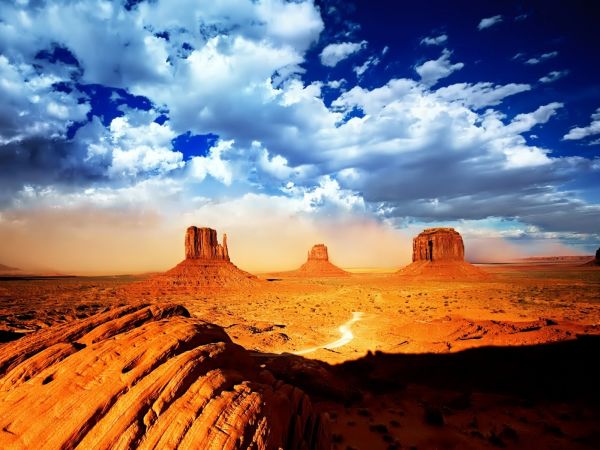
[
  {"x": 318, "y": 253},
  {"x": 202, "y": 243},
  {"x": 439, "y": 254},
  {"x": 438, "y": 244}
]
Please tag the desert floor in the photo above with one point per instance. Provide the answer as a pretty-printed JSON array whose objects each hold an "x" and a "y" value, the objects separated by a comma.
[{"x": 430, "y": 392}]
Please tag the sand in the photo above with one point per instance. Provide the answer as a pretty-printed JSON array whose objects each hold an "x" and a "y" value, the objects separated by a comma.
[{"x": 340, "y": 320}]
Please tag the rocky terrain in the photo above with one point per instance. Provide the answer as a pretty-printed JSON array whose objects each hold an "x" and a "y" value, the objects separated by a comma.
[
  {"x": 147, "y": 377},
  {"x": 318, "y": 265},
  {"x": 596, "y": 260},
  {"x": 439, "y": 253},
  {"x": 496, "y": 356}
]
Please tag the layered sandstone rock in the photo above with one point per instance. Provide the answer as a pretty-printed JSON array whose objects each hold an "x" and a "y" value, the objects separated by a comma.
[
  {"x": 438, "y": 253},
  {"x": 318, "y": 265},
  {"x": 147, "y": 377},
  {"x": 438, "y": 244},
  {"x": 202, "y": 243},
  {"x": 206, "y": 266}
]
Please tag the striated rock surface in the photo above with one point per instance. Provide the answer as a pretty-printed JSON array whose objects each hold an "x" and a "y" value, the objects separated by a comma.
[
  {"x": 318, "y": 253},
  {"x": 206, "y": 266},
  {"x": 438, "y": 253},
  {"x": 438, "y": 244},
  {"x": 202, "y": 243},
  {"x": 318, "y": 264},
  {"x": 147, "y": 377}
]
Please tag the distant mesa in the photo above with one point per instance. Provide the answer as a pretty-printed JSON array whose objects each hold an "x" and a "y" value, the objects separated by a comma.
[
  {"x": 595, "y": 261},
  {"x": 206, "y": 265},
  {"x": 439, "y": 253},
  {"x": 317, "y": 264}
]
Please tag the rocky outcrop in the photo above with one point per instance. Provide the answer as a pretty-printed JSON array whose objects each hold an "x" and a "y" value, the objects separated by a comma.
[
  {"x": 596, "y": 261},
  {"x": 147, "y": 377},
  {"x": 206, "y": 266},
  {"x": 202, "y": 243},
  {"x": 318, "y": 265},
  {"x": 438, "y": 253},
  {"x": 318, "y": 253},
  {"x": 438, "y": 244}
]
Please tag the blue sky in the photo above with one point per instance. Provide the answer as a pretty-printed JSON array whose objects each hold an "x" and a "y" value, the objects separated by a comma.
[{"x": 316, "y": 116}]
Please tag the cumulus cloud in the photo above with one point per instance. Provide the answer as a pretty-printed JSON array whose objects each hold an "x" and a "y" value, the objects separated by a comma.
[
  {"x": 434, "y": 70},
  {"x": 435, "y": 40},
  {"x": 334, "y": 53},
  {"x": 488, "y": 22},
  {"x": 592, "y": 129},
  {"x": 393, "y": 153}
]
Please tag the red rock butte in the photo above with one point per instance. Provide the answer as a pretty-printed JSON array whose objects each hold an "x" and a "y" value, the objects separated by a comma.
[
  {"x": 206, "y": 266},
  {"x": 317, "y": 264},
  {"x": 439, "y": 253},
  {"x": 596, "y": 261}
]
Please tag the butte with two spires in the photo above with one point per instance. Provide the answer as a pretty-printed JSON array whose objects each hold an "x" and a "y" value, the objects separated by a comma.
[{"x": 440, "y": 353}]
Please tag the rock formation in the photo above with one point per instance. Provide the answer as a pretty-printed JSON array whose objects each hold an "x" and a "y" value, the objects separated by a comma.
[
  {"x": 596, "y": 261},
  {"x": 147, "y": 377},
  {"x": 202, "y": 243},
  {"x": 317, "y": 264},
  {"x": 438, "y": 244},
  {"x": 438, "y": 253},
  {"x": 206, "y": 266}
]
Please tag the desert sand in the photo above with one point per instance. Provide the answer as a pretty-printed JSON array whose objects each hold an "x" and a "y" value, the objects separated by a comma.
[{"x": 489, "y": 356}]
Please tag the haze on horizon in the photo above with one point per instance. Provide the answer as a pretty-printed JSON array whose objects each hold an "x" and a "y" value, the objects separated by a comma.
[{"x": 286, "y": 124}]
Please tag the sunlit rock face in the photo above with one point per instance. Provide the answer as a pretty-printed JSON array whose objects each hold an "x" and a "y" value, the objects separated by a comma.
[
  {"x": 438, "y": 244},
  {"x": 438, "y": 254},
  {"x": 318, "y": 253},
  {"x": 202, "y": 243},
  {"x": 147, "y": 376}
]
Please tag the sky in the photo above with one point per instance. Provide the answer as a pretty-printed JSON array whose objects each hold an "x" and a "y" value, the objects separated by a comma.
[{"x": 288, "y": 123}]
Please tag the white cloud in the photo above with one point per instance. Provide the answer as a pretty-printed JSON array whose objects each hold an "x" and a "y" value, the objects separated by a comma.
[
  {"x": 482, "y": 94},
  {"x": 334, "y": 53},
  {"x": 553, "y": 76},
  {"x": 372, "y": 61},
  {"x": 434, "y": 70},
  {"x": 139, "y": 149},
  {"x": 213, "y": 164},
  {"x": 543, "y": 57},
  {"x": 434, "y": 40},
  {"x": 592, "y": 129},
  {"x": 489, "y": 22}
]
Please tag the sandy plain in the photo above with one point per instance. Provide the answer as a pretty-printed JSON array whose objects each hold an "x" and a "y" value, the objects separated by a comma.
[{"x": 504, "y": 362}]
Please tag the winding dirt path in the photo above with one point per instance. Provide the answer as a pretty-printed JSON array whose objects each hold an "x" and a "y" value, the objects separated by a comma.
[{"x": 345, "y": 338}]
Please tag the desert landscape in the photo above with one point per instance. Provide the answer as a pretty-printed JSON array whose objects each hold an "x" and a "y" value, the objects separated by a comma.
[
  {"x": 299, "y": 225},
  {"x": 438, "y": 354}
]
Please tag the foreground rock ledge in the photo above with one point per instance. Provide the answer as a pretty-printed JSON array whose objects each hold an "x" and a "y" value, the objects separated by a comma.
[{"x": 147, "y": 377}]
